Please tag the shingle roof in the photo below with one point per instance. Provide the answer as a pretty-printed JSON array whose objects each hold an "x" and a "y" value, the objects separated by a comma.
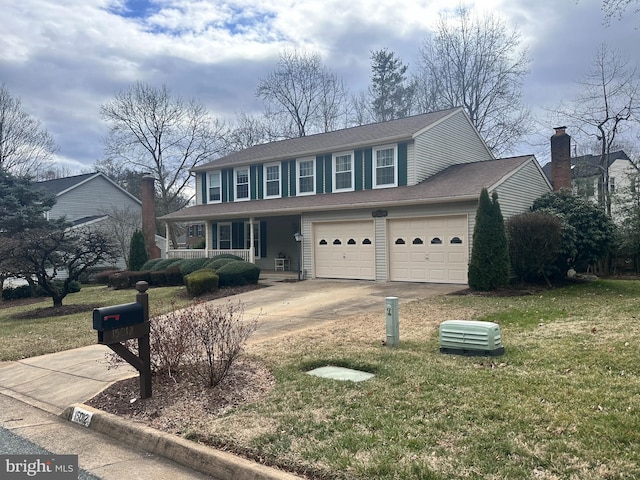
[
  {"x": 59, "y": 185},
  {"x": 348, "y": 138},
  {"x": 588, "y": 165},
  {"x": 457, "y": 183}
]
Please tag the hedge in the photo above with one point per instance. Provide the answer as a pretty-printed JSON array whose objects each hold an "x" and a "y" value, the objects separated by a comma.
[
  {"x": 201, "y": 281},
  {"x": 191, "y": 265},
  {"x": 238, "y": 273}
]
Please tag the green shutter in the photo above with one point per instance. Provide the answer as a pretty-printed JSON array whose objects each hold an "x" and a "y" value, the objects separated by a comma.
[
  {"x": 253, "y": 179},
  {"x": 402, "y": 164},
  {"x": 260, "y": 169},
  {"x": 224, "y": 186},
  {"x": 368, "y": 169},
  {"x": 284, "y": 173},
  {"x": 214, "y": 236},
  {"x": 319, "y": 174},
  {"x": 203, "y": 177},
  {"x": 237, "y": 235},
  {"x": 328, "y": 184},
  {"x": 357, "y": 165},
  {"x": 292, "y": 178},
  {"x": 263, "y": 239},
  {"x": 229, "y": 175}
]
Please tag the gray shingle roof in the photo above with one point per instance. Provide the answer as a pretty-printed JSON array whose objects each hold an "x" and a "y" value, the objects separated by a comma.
[
  {"x": 457, "y": 183},
  {"x": 61, "y": 184},
  {"x": 588, "y": 165},
  {"x": 345, "y": 139}
]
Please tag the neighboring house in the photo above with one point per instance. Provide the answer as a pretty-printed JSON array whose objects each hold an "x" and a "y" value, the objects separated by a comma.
[
  {"x": 89, "y": 199},
  {"x": 391, "y": 201}
]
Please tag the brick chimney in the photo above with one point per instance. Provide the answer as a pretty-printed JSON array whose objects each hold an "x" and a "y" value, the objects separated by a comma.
[
  {"x": 561, "y": 159},
  {"x": 149, "y": 215}
]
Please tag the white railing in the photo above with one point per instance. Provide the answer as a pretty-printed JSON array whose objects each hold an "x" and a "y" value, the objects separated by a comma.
[{"x": 188, "y": 254}]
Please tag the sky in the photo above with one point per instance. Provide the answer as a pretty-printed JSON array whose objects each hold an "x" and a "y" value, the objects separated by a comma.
[{"x": 65, "y": 58}]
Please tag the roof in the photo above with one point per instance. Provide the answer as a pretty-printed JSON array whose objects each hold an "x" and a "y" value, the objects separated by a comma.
[
  {"x": 59, "y": 186},
  {"x": 588, "y": 165},
  {"x": 335, "y": 141},
  {"x": 456, "y": 183}
]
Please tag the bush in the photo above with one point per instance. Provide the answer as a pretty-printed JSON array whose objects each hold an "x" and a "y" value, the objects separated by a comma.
[
  {"x": 150, "y": 263},
  {"x": 25, "y": 291},
  {"x": 217, "y": 263},
  {"x": 227, "y": 255},
  {"x": 164, "y": 264},
  {"x": 173, "y": 275},
  {"x": 238, "y": 273},
  {"x": 103, "y": 277},
  {"x": 158, "y": 279},
  {"x": 120, "y": 280},
  {"x": 137, "y": 251},
  {"x": 141, "y": 276},
  {"x": 201, "y": 281},
  {"x": 190, "y": 266}
]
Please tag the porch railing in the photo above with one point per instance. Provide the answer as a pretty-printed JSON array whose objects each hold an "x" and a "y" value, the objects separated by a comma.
[{"x": 187, "y": 254}]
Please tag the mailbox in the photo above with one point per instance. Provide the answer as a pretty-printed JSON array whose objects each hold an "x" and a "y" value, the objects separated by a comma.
[{"x": 110, "y": 318}]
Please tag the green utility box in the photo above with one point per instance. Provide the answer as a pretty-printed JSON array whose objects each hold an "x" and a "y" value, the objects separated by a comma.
[{"x": 470, "y": 337}]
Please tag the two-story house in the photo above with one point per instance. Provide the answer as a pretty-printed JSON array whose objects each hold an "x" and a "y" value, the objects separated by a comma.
[{"x": 391, "y": 201}]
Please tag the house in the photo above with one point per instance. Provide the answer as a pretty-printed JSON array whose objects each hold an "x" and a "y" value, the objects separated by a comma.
[
  {"x": 586, "y": 175},
  {"x": 391, "y": 201},
  {"x": 92, "y": 200}
]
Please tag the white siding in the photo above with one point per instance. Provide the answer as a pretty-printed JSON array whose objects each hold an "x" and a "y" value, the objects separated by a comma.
[
  {"x": 411, "y": 164},
  {"x": 517, "y": 193},
  {"x": 198, "y": 177},
  {"x": 380, "y": 233},
  {"x": 92, "y": 198},
  {"x": 450, "y": 142}
]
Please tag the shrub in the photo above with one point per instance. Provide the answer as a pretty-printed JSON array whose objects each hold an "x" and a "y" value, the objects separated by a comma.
[
  {"x": 16, "y": 293},
  {"x": 173, "y": 275},
  {"x": 120, "y": 280},
  {"x": 150, "y": 263},
  {"x": 103, "y": 277},
  {"x": 141, "y": 276},
  {"x": 238, "y": 273},
  {"x": 489, "y": 264},
  {"x": 201, "y": 281},
  {"x": 158, "y": 279},
  {"x": 216, "y": 263},
  {"x": 189, "y": 266},
  {"x": 137, "y": 251},
  {"x": 227, "y": 255},
  {"x": 164, "y": 264}
]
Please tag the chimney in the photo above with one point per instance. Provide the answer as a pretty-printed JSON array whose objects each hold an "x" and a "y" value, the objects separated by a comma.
[
  {"x": 561, "y": 159},
  {"x": 149, "y": 215}
]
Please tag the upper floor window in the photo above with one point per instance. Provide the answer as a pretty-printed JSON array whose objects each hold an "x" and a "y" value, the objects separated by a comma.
[
  {"x": 343, "y": 172},
  {"x": 386, "y": 171},
  {"x": 272, "y": 180},
  {"x": 612, "y": 184},
  {"x": 242, "y": 183},
  {"x": 306, "y": 176},
  {"x": 215, "y": 190}
]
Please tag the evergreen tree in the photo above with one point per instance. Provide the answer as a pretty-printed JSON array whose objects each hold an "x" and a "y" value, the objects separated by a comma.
[
  {"x": 489, "y": 265},
  {"x": 389, "y": 91},
  {"x": 137, "y": 251}
]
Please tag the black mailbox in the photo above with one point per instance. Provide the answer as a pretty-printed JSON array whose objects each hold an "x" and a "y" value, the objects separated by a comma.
[{"x": 110, "y": 318}]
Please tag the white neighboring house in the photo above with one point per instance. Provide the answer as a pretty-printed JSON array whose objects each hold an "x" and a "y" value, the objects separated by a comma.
[
  {"x": 585, "y": 178},
  {"x": 88, "y": 199}
]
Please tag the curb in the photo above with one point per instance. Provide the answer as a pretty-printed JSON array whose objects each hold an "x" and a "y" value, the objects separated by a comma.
[{"x": 219, "y": 465}]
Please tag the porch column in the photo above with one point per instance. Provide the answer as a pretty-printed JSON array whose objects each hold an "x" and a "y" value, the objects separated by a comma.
[
  {"x": 166, "y": 239},
  {"x": 207, "y": 237},
  {"x": 252, "y": 256}
]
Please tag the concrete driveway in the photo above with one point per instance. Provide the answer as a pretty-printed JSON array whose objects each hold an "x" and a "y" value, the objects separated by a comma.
[{"x": 287, "y": 307}]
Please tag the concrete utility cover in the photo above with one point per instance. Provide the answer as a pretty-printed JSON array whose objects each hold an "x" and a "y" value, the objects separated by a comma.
[{"x": 341, "y": 373}]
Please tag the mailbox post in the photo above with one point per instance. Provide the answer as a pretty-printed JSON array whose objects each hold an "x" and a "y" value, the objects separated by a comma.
[{"x": 119, "y": 323}]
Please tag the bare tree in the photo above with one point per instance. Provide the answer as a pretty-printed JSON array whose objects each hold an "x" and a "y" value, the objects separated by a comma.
[
  {"x": 123, "y": 222},
  {"x": 477, "y": 63},
  {"x": 605, "y": 107},
  {"x": 25, "y": 147},
  {"x": 302, "y": 95},
  {"x": 616, "y": 8},
  {"x": 152, "y": 131}
]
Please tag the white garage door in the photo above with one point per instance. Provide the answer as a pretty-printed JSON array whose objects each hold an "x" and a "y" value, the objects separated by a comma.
[
  {"x": 432, "y": 249},
  {"x": 344, "y": 250}
]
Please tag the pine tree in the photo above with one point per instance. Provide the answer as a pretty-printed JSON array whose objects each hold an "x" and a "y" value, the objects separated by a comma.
[
  {"x": 489, "y": 265},
  {"x": 137, "y": 251},
  {"x": 389, "y": 91}
]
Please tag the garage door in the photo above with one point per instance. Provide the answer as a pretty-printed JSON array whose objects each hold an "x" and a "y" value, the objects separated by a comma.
[
  {"x": 432, "y": 249},
  {"x": 344, "y": 250}
]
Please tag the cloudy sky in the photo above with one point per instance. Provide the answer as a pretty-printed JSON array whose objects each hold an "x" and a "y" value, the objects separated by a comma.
[{"x": 65, "y": 58}]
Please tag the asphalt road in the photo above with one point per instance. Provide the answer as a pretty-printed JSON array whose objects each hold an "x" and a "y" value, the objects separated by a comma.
[{"x": 12, "y": 444}]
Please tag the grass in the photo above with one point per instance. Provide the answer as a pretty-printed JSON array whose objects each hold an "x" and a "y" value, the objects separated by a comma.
[
  {"x": 562, "y": 403},
  {"x": 30, "y": 329}
]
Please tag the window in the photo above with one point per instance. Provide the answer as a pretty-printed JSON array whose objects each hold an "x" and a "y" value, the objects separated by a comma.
[
  {"x": 456, "y": 240},
  {"x": 215, "y": 191},
  {"x": 612, "y": 184},
  {"x": 306, "y": 176},
  {"x": 242, "y": 183},
  {"x": 272, "y": 180},
  {"x": 385, "y": 174},
  {"x": 343, "y": 172},
  {"x": 224, "y": 236}
]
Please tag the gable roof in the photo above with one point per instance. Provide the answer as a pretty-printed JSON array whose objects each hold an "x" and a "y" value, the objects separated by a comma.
[
  {"x": 457, "y": 183},
  {"x": 588, "y": 165},
  {"x": 60, "y": 186},
  {"x": 346, "y": 139}
]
